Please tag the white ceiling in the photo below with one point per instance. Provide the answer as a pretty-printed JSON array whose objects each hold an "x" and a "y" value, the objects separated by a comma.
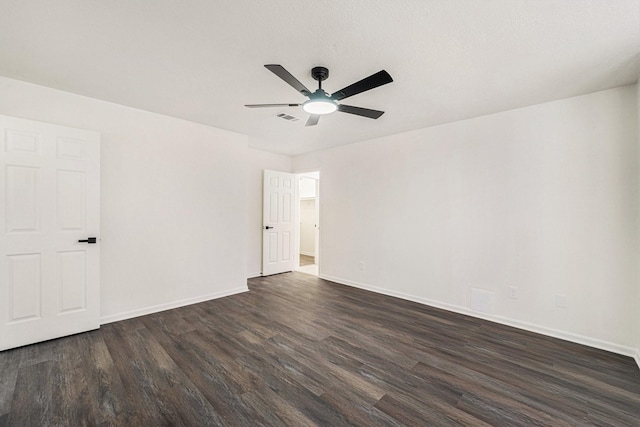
[{"x": 202, "y": 60}]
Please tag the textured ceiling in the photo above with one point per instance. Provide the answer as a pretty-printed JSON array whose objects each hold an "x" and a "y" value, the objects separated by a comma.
[{"x": 203, "y": 60}]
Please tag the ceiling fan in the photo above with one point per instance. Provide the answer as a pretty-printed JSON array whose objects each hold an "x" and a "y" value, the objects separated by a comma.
[{"x": 320, "y": 102}]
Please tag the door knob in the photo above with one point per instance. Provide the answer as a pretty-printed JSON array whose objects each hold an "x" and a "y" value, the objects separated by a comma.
[
  {"x": 267, "y": 227},
  {"x": 89, "y": 240}
]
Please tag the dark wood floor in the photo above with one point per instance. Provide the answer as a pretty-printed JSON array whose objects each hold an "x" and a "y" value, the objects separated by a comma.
[{"x": 300, "y": 351}]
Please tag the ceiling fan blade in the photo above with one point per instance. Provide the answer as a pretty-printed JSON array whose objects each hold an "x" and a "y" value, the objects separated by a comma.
[
  {"x": 378, "y": 79},
  {"x": 271, "y": 105},
  {"x": 313, "y": 120},
  {"x": 358, "y": 111},
  {"x": 279, "y": 71}
]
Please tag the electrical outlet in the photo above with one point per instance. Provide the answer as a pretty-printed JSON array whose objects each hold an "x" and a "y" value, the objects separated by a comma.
[
  {"x": 561, "y": 301},
  {"x": 362, "y": 265},
  {"x": 513, "y": 292}
]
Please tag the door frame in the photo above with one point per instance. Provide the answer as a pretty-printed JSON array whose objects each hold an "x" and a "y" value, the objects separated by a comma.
[{"x": 318, "y": 258}]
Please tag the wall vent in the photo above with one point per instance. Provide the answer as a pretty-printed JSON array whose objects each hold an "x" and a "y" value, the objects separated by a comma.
[
  {"x": 482, "y": 301},
  {"x": 288, "y": 117}
]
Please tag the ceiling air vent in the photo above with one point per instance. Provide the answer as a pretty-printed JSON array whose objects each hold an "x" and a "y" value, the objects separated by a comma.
[{"x": 288, "y": 117}]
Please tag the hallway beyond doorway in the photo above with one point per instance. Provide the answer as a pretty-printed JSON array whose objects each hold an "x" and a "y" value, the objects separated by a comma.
[
  {"x": 308, "y": 265},
  {"x": 306, "y": 260}
]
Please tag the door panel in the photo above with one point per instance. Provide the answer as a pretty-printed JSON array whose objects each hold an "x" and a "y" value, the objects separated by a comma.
[
  {"x": 49, "y": 199},
  {"x": 279, "y": 195},
  {"x": 26, "y": 141},
  {"x": 71, "y": 203},
  {"x": 70, "y": 149},
  {"x": 273, "y": 247},
  {"x": 24, "y": 287},
  {"x": 273, "y": 203},
  {"x": 286, "y": 207},
  {"x": 286, "y": 246},
  {"x": 22, "y": 184},
  {"x": 73, "y": 284}
]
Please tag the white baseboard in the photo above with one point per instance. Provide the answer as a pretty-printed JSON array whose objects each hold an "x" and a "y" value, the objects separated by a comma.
[
  {"x": 168, "y": 306},
  {"x": 308, "y": 253},
  {"x": 254, "y": 275},
  {"x": 567, "y": 336}
]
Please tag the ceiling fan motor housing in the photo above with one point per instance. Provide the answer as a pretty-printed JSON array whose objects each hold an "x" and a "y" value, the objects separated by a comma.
[{"x": 320, "y": 73}]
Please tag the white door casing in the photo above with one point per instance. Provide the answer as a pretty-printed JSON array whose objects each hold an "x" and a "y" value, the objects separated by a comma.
[
  {"x": 279, "y": 222},
  {"x": 317, "y": 230},
  {"x": 49, "y": 199}
]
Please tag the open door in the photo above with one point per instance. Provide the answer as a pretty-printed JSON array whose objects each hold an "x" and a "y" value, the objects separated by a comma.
[
  {"x": 279, "y": 236},
  {"x": 50, "y": 218}
]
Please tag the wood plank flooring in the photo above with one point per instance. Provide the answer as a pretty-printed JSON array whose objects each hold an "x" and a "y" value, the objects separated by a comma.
[{"x": 301, "y": 351}]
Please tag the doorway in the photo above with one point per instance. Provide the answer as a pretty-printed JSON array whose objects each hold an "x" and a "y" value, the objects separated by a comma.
[{"x": 309, "y": 231}]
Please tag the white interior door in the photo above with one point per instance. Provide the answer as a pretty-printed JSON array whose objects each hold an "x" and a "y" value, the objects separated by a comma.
[
  {"x": 278, "y": 222},
  {"x": 49, "y": 200}
]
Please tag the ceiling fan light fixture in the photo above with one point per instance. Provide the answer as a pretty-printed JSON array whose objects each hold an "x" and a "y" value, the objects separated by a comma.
[
  {"x": 320, "y": 102},
  {"x": 319, "y": 106}
]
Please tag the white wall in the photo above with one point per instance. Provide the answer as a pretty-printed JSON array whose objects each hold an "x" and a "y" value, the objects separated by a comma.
[
  {"x": 174, "y": 200},
  {"x": 544, "y": 199},
  {"x": 257, "y": 162}
]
